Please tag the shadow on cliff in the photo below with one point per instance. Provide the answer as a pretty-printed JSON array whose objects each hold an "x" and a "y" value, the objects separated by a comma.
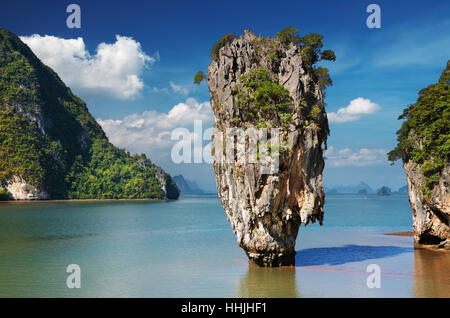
[{"x": 346, "y": 254}]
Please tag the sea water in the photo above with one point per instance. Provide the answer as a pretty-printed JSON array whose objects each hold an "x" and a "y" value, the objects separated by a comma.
[{"x": 186, "y": 248}]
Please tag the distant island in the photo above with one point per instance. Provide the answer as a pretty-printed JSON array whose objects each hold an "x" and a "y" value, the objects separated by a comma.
[
  {"x": 189, "y": 187},
  {"x": 52, "y": 147},
  {"x": 364, "y": 188},
  {"x": 384, "y": 191}
]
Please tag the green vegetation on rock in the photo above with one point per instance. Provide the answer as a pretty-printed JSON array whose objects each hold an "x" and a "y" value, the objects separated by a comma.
[
  {"x": 49, "y": 139},
  {"x": 288, "y": 35},
  {"x": 310, "y": 44},
  {"x": 5, "y": 195},
  {"x": 199, "y": 77},
  {"x": 310, "y": 51},
  {"x": 112, "y": 173},
  {"x": 227, "y": 38},
  {"x": 262, "y": 98},
  {"x": 424, "y": 136}
]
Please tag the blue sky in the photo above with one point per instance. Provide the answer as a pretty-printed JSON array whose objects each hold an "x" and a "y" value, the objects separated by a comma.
[{"x": 386, "y": 66}]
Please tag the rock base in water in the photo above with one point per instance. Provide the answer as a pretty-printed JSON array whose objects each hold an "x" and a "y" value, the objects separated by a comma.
[
  {"x": 272, "y": 260},
  {"x": 431, "y": 215}
]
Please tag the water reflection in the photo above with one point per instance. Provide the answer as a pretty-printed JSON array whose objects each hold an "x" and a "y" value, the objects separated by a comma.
[
  {"x": 432, "y": 273},
  {"x": 261, "y": 282}
]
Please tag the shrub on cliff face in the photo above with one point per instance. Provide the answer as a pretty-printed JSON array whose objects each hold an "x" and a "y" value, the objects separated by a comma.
[
  {"x": 227, "y": 38},
  {"x": 310, "y": 44},
  {"x": 288, "y": 35},
  {"x": 260, "y": 97},
  {"x": 323, "y": 77},
  {"x": 199, "y": 77},
  {"x": 424, "y": 136}
]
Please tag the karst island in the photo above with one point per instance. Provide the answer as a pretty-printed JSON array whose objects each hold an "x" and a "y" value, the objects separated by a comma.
[{"x": 262, "y": 83}]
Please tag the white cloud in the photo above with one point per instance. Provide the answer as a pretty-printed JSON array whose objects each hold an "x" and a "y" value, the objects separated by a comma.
[
  {"x": 114, "y": 71},
  {"x": 150, "y": 131},
  {"x": 359, "y": 158},
  {"x": 357, "y": 108},
  {"x": 164, "y": 90},
  {"x": 179, "y": 89},
  {"x": 173, "y": 88}
]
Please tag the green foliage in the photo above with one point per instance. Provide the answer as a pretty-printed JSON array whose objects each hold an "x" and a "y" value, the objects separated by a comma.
[
  {"x": 323, "y": 77},
  {"x": 27, "y": 153},
  {"x": 328, "y": 55},
  {"x": 311, "y": 52},
  {"x": 272, "y": 55},
  {"x": 112, "y": 173},
  {"x": 310, "y": 45},
  {"x": 288, "y": 35},
  {"x": 424, "y": 136},
  {"x": 49, "y": 138},
  {"x": 260, "y": 98},
  {"x": 314, "y": 113},
  {"x": 227, "y": 38},
  {"x": 5, "y": 195},
  {"x": 199, "y": 77}
]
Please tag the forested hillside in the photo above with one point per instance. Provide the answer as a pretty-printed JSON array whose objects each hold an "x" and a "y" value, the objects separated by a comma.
[{"x": 51, "y": 143}]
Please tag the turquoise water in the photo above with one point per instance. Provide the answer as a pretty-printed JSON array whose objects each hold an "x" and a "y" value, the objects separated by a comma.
[{"x": 186, "y": 248}]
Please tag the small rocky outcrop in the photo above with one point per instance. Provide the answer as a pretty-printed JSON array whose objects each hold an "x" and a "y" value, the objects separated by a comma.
[
  {"x": 431, "y": 214},
  {"x": 263, "y": 83},
  {"x": 19, "y": 189},
  {"x": 168, "y": 186}
]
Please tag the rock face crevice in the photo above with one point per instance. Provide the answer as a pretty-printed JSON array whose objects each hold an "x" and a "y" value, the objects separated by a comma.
[{"x": 266, "y": 209}]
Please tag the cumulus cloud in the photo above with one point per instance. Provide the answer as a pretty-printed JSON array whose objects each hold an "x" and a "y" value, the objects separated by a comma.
[
  {"x": 150, "y": 132},
  {"x": 164, "y": 90},
  {"x": 179, "y": 89},
  {"x": 357, "y": 108},
  {"x": 114, "y": 71},
  {"x": 359, "y": 158}
]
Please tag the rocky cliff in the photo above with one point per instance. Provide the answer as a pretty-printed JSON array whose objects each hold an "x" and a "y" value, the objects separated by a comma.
[
  {"x": 423, "y": 146},
  {"x": 431, "y": 214},
  {"x": 264, "y": 83},
  {"x": 52, "y": 147}
]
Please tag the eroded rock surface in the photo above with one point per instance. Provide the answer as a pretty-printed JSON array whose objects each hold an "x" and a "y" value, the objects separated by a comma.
[
  {"x": 22, "y": 190},
  {"x": 423, "y": 141},
  {"x": 431, "y": 216},
  {"x": 266, "y": 210}
]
